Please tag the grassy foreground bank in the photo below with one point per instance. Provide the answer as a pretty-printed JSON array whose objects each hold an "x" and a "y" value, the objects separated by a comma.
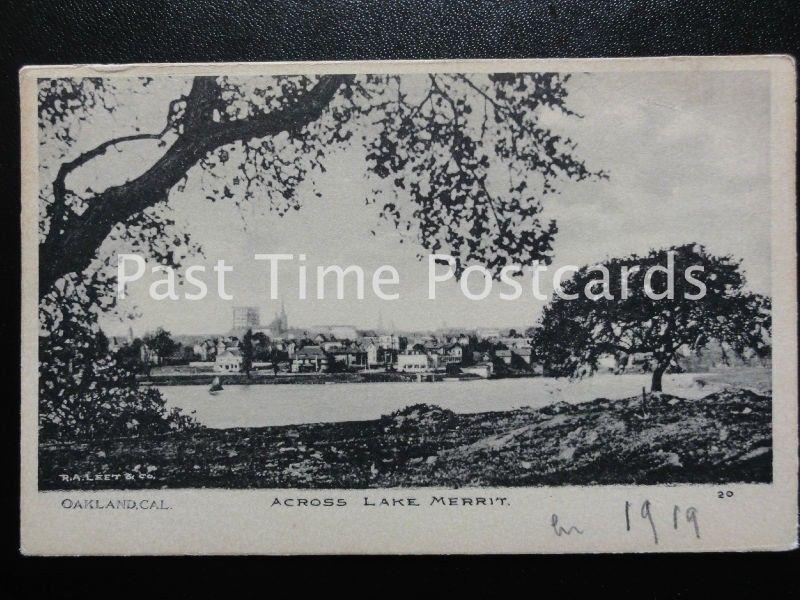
[{"x": 723, "y": 437}]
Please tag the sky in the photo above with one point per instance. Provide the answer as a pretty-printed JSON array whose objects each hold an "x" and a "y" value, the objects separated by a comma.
[{"x": 688, "y": 159}]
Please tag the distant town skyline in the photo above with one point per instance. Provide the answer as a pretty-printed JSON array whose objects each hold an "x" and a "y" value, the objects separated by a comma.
[{"x": 265, "y": 322}]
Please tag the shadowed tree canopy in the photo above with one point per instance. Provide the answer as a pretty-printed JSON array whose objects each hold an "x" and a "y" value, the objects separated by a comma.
[
  {"x": 575, "y": 335},
  {"x": 247, "y": 351},
  {"x": 160, "y": 341},
  {"x": 459, "y": 162}
]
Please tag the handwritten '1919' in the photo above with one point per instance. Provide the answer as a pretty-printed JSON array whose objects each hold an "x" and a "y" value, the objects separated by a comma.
[{"x": 646, "y": 513}]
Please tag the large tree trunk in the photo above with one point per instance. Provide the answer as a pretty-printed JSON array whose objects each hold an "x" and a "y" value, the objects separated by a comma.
[
  {"x": 73, "y": 239},
  {"x": 658, "y": 373}
]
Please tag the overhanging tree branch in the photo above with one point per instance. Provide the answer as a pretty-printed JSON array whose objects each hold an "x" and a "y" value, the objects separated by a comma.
[{"x": 73, "y": 238}]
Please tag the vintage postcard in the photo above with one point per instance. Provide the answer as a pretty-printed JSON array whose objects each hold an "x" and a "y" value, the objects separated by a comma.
[{"x": 496, "y": 306}]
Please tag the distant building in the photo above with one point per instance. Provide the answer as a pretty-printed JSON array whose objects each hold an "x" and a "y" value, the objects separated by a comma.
[
  {"x": 311, "y": 359},
  {"x": 228, "y": 361},
  {"x": 279, "y": 325},
  {"x": 326, "y": 333},
  {"x": 246, "y": 317},
  {"x": 462, "y": 340},
  {"x": 351, "y": 357},
  {"x": 454, "y": 355},
  {"x": 421, "y": 340},
  {"x": 389, "y": 342},
  {"x": 414, "y": 362},
  {"x": 488, "y": 334},
  {"x": 291, "y": 334}
]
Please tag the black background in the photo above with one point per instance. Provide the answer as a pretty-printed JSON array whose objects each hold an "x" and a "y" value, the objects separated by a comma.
[{"x": 124, "y": 31}]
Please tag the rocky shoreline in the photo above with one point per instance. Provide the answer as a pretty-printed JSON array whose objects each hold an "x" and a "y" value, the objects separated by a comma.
[{"x": 724, "y": 437}]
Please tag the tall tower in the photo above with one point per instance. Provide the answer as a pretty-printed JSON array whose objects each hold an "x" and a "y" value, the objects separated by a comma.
[
  {"x": 280, "y": 324},
  {"x": 245, "y": 317},
  {"x": 283, "y": 319}
]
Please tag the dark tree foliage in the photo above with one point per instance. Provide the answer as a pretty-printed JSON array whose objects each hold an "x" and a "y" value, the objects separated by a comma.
[
  {"x": 129, "y": 357},
  {"x": 575, "y": 334},
  {"x": 160, "y": 341},
  {"x": 85, "y": 392},
  {"x": 247, "y": 352},
  {"x": 460, "y": 164},
  {"x": 467, "y": 151},
  {"x": 262, "y": 349}
]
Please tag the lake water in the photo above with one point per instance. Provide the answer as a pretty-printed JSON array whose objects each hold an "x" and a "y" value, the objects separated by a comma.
[{"x": 264, "y": 405}]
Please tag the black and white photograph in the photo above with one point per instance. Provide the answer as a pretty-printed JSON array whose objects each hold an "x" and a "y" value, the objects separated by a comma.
[
  {"x": 388, "y": 245},
  {"x": 409, "y": 284}
]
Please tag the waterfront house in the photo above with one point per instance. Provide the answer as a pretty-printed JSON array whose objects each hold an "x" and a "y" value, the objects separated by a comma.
[
  {"x": 414, "y": 362},
  {"x": 228, "y": 361},
  {"x": 351, "y": 356},
  {"x": 311, "y": 359},
  {"x": 453, "y": 355}
]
